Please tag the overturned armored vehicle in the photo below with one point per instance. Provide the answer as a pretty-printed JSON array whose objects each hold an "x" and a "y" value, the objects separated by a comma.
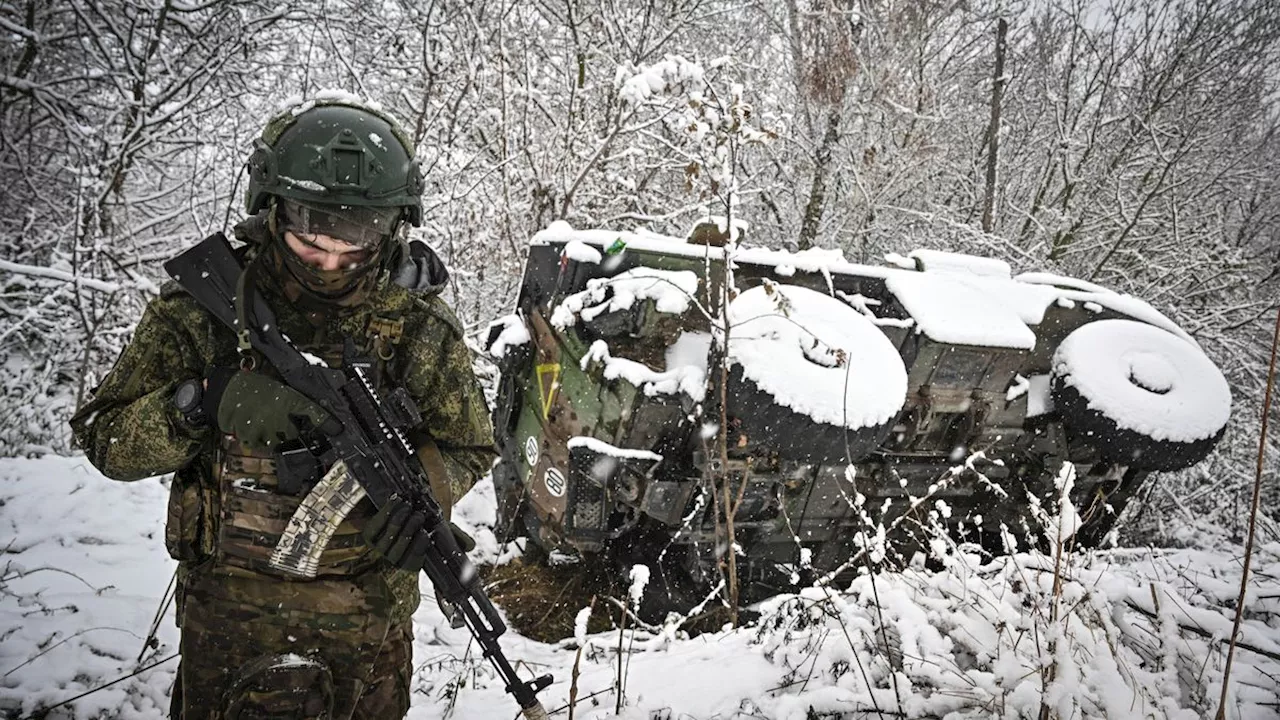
[{"x": 861, "y": 407}]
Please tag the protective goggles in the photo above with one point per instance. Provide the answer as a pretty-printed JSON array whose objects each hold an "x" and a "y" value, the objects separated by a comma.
[{"x": 366, "y": 227}]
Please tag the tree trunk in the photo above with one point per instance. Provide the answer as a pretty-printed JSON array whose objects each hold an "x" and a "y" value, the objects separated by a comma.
[
  {"x": 993, "y": 131},
  {"x": 818, "y": 191}
]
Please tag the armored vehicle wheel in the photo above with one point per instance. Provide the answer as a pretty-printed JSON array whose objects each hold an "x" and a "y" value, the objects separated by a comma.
[
  {"x": 1139, "y": 395},
  {"x": 795, "y": 435},
  {"x": 811, "y": 377}
]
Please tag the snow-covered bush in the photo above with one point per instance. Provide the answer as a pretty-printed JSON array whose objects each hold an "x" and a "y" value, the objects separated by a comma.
[{"x": 1138, "y": 633}]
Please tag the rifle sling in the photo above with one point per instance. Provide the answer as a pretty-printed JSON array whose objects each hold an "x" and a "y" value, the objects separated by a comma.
[{"x": 433, "y": 461}]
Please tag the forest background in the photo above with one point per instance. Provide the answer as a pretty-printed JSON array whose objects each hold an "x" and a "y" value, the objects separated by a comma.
[{"x": 1129, "y": 143}]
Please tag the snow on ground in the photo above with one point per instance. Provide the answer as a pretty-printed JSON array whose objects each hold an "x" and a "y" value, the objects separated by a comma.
[{"x": 1132, "y": 634}]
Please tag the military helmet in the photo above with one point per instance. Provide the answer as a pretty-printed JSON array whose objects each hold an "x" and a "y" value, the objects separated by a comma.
[{"x": 335, "y": 152}]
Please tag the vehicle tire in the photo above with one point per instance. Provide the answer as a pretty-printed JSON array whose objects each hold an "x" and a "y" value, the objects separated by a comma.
[
  {"x": 1140, "y": 396},
  {"x": 810, "y": 377},
  {"x": 794, "y": 435}
]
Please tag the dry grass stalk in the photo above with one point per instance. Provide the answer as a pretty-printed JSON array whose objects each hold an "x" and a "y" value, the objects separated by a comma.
[
  {"x": 1253, "y": 524},
  {"x": 577, "y": 667}
]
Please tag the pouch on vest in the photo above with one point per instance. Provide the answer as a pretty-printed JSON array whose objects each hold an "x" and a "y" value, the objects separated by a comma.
[
  {"x": 187, "y": 518},
  {"x": 255, "y": 513}
]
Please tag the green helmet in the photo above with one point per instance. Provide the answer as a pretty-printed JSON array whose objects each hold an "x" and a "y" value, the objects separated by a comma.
[{"x": 335, "y": 152}]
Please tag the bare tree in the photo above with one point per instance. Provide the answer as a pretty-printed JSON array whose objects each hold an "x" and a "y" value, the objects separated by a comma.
[
  {"x": 1138, "y": 145},
  {"x": 111, "y": 160}
]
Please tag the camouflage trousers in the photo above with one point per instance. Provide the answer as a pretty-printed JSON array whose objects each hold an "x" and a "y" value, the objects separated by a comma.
[{"x": 256, "y": 647}]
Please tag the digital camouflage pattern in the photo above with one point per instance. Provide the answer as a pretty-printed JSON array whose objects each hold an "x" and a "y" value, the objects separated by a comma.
[{"x": 225, "y": 512}]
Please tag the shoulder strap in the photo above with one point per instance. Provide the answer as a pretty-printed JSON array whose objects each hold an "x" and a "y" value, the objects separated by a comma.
[{"x": 433, "y": 462}]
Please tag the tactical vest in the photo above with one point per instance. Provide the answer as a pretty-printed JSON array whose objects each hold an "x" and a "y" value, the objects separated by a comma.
[{"x": 253, "y": 511}]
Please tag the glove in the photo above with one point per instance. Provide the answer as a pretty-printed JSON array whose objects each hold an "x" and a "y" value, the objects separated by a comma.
[
  {"x": 397, "y": 532},
  {"x": 465, "y": 541},
  {"x": 259, "y": 411}
]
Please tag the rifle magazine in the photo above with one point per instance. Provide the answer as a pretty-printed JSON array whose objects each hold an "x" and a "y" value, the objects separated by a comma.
[{"x": 315, "y": 521}]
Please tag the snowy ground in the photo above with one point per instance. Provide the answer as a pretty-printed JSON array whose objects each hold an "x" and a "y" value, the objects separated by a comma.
[{"x": 1132, "y": 634}]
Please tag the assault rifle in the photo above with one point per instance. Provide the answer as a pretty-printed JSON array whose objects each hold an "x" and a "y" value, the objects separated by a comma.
[{"x": 368, "y": 456}]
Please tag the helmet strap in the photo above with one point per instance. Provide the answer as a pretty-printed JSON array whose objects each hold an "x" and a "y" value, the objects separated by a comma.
[{"x": 273, "y": 220}]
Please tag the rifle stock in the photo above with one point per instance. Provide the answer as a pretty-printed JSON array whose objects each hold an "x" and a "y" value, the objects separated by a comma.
[{"x": 369, "y": 456}]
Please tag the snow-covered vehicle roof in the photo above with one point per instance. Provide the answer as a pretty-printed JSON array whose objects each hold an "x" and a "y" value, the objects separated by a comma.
[{"x": 953, "y": 298}]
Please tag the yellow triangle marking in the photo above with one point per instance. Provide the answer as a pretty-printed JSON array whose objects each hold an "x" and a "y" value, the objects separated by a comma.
[{"x": 548, "y": 382}]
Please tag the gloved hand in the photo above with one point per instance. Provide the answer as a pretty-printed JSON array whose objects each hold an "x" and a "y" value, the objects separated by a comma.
[
  {"x": 259, "y": 411},
  {"x": 397, "y": 532}
]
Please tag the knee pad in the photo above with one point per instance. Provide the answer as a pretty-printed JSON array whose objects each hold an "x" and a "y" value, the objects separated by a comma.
[{"x": 280, "y": 686}]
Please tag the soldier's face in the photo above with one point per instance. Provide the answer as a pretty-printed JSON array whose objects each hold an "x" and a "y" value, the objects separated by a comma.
[{"x": 324, "y": 252}]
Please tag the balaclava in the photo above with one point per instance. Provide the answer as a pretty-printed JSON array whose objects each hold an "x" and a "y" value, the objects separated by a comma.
[{"x": 368, "y": 228}]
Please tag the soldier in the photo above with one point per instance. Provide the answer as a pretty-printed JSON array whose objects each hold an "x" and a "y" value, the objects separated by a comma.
[{"x": 333, "y": 186}]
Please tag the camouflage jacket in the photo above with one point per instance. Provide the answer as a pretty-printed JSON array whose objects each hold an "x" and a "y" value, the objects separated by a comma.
[{"x": 131, "y": 429}]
